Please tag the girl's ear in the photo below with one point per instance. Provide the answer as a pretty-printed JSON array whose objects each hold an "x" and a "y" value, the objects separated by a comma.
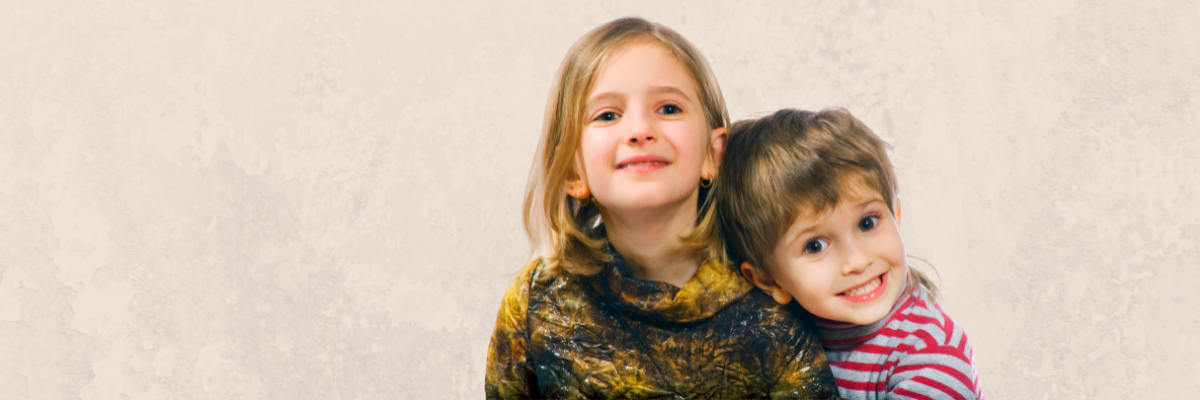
[
  {"x": 713, "y": 163},
  {"x": 897, "y": 211},
  {"x": 766, "y": 283},
  {"x": 578, "y": 189}
]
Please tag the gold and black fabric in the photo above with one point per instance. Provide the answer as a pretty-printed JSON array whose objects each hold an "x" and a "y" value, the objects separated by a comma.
[{"x": 561, "y": 335}]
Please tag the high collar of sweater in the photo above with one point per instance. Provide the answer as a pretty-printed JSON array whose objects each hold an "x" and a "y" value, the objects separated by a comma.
[
  {"x": 837, "y": 333},
  {"x": 714, "y": 287}
]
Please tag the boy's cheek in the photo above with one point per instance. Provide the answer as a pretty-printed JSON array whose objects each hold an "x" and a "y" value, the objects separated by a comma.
[
  {"x": 816, "y": 307},
  {"x": 805, "y": 298}
]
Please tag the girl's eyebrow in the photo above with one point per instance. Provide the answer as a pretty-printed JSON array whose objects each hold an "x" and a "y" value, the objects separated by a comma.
[
  {"x": 668, "y": 90},
  {"x": 605, "y": 96},
  {"x": 656, "y": 90}
]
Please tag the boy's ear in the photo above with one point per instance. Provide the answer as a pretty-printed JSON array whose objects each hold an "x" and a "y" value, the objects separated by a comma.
[
  {"x": 713, "y": 163},
  {"x": 897, "y": 211},
  {"x": 766, "y": 283}
]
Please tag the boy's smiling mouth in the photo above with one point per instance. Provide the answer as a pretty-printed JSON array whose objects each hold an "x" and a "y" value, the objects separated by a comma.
[
  {"x": 867, "y": 291},
  {"x": 643, "y": 163}
]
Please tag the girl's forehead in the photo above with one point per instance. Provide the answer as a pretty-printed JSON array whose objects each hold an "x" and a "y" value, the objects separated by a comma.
[{"x": 644, "y": 65}]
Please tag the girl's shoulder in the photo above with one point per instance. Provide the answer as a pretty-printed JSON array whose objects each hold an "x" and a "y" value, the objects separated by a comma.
[
  {"x": 535, "y": 276},
  {"x": 524, "y": 279},
  {"x": 515, "y": 303}
]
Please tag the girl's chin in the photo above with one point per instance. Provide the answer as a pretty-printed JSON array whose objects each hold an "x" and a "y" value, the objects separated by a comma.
[{"x": 641, "y": 201}]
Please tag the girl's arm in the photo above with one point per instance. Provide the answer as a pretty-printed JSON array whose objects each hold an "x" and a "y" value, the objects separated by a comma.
[{"x": 509, "y": 372}]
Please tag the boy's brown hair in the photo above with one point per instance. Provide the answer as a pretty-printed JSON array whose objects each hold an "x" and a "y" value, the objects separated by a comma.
[{"x": 797, "y": 161}]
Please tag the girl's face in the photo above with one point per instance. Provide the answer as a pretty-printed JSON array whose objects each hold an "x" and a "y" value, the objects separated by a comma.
[{"x": 644, "y": 138}]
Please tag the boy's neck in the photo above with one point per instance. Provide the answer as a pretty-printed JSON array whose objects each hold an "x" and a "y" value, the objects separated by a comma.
[{"x": 649, "y": 241}]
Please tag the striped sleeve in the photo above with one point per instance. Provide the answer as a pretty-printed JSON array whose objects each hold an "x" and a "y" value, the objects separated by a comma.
[{"x": 944, "y": 368}]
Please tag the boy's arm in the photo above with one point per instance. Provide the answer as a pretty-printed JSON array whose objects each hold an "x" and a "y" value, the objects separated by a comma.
[
  {"x": 938, "y": 370},
  {"x": 509, "y": 373}
]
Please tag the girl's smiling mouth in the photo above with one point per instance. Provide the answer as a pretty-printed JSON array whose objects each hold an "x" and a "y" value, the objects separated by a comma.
[
  {"x": 867, "y": 291},
  {"x": 642, "y": 163}
]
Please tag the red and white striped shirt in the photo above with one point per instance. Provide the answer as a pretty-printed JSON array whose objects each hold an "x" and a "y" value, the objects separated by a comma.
[{"x": 916, "y": 352}]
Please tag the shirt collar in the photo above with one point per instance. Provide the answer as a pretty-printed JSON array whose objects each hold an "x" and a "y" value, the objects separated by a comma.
[
  {"x": 711, "y": 289},
  {"x": 837, "y": 333}
]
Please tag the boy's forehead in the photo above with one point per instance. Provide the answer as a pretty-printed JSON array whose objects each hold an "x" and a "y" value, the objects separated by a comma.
[{"x": 852, "y": 190}]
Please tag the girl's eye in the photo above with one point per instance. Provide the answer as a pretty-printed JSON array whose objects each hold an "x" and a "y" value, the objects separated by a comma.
[
  {"x": 669, "y": 109},
  {"x": 868, "y": 223},
  {"x": 815, "y": 245},
  {"x": 608, "y": 116}
]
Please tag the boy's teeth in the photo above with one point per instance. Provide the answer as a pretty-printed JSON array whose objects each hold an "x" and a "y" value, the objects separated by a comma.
[{"x": 864, "y": 289}]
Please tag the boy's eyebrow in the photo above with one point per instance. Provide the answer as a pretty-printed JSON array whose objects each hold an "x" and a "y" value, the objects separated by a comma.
[
  {"x": 812, "y": 223},
  {"x": 869, "y": 200},
  {"x": 804, "y": 229}
]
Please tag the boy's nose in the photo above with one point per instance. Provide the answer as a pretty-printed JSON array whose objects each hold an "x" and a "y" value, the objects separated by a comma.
[{"x": 857, "y": 260}]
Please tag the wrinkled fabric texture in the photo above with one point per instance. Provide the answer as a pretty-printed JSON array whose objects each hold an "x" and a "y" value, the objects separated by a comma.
[{"x": 561, "y": 335}]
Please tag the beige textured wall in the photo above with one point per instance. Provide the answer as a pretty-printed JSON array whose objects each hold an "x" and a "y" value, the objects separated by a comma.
[{"x": 294, "y": 200}]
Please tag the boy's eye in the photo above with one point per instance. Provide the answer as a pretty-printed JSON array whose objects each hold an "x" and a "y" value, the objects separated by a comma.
[
  {"x": 669, "y": 109},
  {"x": 815, "y": 245},
  {"x": 868, "y": 223},
  {"x": 608, "y": 116}
]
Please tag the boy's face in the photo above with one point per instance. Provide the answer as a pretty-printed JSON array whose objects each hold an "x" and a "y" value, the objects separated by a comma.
[{"x": 845, "y": 265}]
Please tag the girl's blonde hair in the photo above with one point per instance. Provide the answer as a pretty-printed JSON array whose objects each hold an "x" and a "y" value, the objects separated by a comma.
[{"x": 567, "y": 234}]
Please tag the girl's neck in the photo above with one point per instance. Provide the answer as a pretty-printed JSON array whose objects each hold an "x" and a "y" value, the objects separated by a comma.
[{"x": 650, "y": 241}]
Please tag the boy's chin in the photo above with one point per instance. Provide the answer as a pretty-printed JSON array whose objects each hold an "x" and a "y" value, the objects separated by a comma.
[{"x": 866, "y": 316}]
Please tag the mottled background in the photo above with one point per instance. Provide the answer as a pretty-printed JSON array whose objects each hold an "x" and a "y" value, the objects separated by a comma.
[{"x": 291, "y": 200}]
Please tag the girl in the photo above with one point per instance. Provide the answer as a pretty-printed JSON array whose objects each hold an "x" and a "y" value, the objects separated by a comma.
[{"x": 633, "y": 296}]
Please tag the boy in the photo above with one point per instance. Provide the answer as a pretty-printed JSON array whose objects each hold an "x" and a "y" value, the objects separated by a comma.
[{"x": 808, "y": 201}]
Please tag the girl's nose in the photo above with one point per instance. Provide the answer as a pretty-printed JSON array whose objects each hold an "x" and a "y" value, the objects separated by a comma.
[
  {"x": 641, "y": 131},
  {"x": 641, "y": 138}
]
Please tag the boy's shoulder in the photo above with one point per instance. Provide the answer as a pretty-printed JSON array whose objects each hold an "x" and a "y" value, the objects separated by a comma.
[
  {"x": 936, "y": 349},
  {"x": 924, "y": 323}
]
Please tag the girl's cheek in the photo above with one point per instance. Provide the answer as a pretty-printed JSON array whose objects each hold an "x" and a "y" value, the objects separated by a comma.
[{"x": 588, "y": 150}]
